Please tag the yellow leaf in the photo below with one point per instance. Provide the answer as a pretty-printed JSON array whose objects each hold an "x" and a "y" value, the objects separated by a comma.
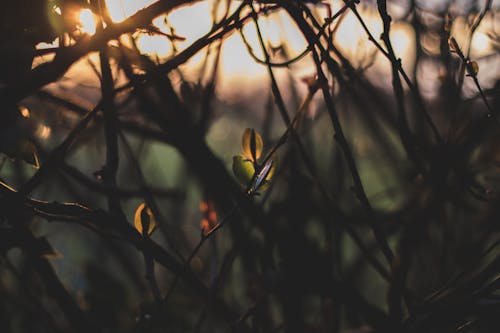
[
  {"x": 252, "y": 144},
  {"x": 243, "y": 169},
  {"x": 270, "y": 175},
  {"x": 144, "y": 219},
  {"x": 473, "y": 67}
]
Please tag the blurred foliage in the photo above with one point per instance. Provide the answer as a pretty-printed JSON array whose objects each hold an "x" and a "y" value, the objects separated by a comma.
[{"x": 377, "y": 207}]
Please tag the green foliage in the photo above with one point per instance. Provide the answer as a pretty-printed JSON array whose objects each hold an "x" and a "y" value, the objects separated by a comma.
[{"x": 247, "y": 169}]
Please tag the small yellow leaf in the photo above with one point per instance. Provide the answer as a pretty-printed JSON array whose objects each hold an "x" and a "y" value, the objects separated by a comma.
[
  {"x": 252, "y": 144},
  {"x": 144, "y": 219},
  {"x": 243, "y": 169},
  {"x": 473, "y": 67}
]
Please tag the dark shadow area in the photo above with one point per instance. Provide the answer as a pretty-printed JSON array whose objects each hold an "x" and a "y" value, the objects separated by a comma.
[{"x": 238, "y": 166}]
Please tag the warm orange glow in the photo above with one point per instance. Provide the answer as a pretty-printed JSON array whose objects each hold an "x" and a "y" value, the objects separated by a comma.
[
  {"x": 43, "y": 132},
  {"x": 209, "y": 219},
  {"x": 24, "y": 111},
  {"x": 203, "y": 206},
  {"x": 241, "y": 72},
  {"x": 154, "y": 45},
  {"x": 192, "y": 22},
  {"x": 403, "y": 42},
  {"x": 212, "y": 216}
]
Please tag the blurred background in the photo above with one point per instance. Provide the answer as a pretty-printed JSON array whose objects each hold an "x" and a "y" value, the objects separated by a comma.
[{"x": 434, "y": 199}]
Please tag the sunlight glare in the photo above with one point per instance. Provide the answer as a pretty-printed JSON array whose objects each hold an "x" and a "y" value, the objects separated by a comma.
[
  {"x": 235, "y": 60},
  {"x": 403, "y": 41},
  {"x": 480, "y": 43},
  {"x": 190, "y": 22},
  {"x": 271, "y": 31},
  {"x": 349, "y": 33},
  {"x": 119, "y": 10},
  {"x": 154, "y": 45},
  {"x": 292, "y": 35},
  {"x": 87, "y": 21}
]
